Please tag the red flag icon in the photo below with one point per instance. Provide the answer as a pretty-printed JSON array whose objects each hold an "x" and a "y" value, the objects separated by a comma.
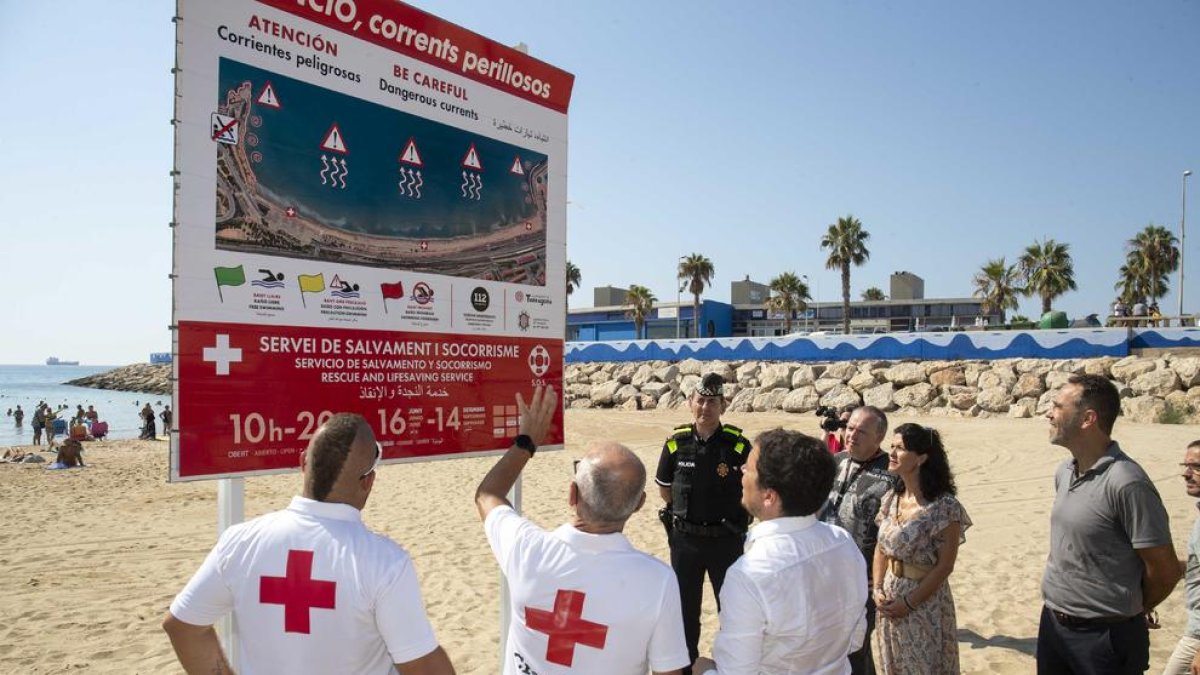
[{"x": 392, "y": 291}]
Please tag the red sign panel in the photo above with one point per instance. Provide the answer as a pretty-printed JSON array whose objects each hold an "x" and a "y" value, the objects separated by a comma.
[
  {"x": 251, "y": 397},
  {"x": 407, "y": 30}
]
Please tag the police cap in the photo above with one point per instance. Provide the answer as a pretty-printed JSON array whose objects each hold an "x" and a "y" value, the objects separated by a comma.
[{"x": 712, "y": 385}]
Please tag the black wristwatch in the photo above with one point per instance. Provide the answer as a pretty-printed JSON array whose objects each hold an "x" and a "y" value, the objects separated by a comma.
[{"x": 524, "y": 442}]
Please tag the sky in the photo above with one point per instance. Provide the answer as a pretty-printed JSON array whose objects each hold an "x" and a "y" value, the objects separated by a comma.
[{"x": 956, "y": 132}]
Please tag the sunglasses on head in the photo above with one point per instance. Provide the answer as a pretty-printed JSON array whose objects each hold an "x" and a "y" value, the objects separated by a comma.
[{"x": 375, "y": 464}]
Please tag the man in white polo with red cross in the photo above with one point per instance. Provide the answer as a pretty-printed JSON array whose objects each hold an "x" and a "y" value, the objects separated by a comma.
[
  {"x": 583, "y": 599},
  {"x": 312, "y": 590}
]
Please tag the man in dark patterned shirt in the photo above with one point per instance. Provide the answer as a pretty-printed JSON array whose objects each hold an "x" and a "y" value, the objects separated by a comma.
[{"x": 858, "y": 488}]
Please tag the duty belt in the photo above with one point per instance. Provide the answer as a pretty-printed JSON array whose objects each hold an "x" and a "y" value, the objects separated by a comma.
[
  {"x": 722, "y": 529},
  {"x": 1087, "y": 622}
]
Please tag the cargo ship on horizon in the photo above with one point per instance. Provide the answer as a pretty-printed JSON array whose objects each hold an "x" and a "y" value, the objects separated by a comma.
[{"x": 55, "y": 361}]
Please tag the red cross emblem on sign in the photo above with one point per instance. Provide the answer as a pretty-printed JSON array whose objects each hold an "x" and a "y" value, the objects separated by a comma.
[
  {"x": 298, "y": 592},
  {"x": 565, "y": 627}
]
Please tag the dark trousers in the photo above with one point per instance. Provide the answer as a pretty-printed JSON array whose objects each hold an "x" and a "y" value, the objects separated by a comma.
[
  {"x": 691, "y": 557},
  {"x": 861, "y": 661},
  {"x": 1095, "y": 649}
]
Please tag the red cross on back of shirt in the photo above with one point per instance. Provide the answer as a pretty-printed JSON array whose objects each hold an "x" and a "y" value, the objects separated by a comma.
[
  {"x": 565, "y": 627},
  {"x": 298, "y": 592}
]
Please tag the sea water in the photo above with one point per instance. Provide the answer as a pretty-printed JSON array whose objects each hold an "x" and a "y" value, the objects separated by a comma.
[{"x": 27, "y": 385}]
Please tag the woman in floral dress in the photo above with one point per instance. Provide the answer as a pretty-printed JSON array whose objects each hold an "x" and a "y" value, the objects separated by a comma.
[{"x": 921, "y": 525}]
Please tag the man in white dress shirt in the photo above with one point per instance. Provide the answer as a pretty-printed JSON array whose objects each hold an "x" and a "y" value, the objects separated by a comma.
[
  {"x": 312, "y": 590},
  {"x": 583, "y": 599},
  {"x": 795, "y": 602}
]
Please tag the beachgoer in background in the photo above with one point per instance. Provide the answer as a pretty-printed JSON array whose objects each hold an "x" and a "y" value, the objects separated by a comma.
[
  {"x": 782, "y": 611},
  {"x": 921, "y": 525},
  {"x": 1140, "y": 312},
  {"x": 78, "y": 431},
  {"x": 1185, "y": 660},
  {"x": 19, "y": 415},
  {"x": 148, "y": 428},
  {"x": 622, "y": 603},
  {"x": 1111, "y": 555},
  {"x": 91, "y": 415},
  {"x": 70, "y": 454},
  {"x": 1155, "y": 314},
  {"x": 14, "y": 455},
  {"x": 859, "y": 486},
  {"x": 360, "y": 605},
  {"x": 38, "y": 423},
  {"x": 77, "y": 418},
  {"x": 699, "y": 478},
  {"x": 165, "y": 415},
  {"x": 48, "y": 417}
]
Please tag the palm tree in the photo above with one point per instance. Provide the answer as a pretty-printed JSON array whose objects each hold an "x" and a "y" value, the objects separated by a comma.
[
  {"x": 873, "y": 294},
  {"x": 1131, "y": 283},
  {"x": 1152, "y": 256},
  {"x": 640, "y": 302},
  {"x": 997, "y": 284},
  {"x": 1046, "y": 269},
  {"x": 697, "y": 272},
  {"x": 847, "y": 244},
  {"x": 573, "y": 278},
  {"x": 789, "y": 295}
]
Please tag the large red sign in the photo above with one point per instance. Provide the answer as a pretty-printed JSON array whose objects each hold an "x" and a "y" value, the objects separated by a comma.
[
  {"x": 251, "y": 397},
  {"x": 370, "y": 217}
]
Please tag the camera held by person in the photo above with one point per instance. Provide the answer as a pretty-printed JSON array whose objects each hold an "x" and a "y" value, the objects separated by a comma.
[
  {"x": 832, "y": 418},
  {"x": 833, "y": 423}
]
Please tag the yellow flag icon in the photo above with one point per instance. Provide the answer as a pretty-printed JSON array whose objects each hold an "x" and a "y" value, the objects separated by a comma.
[{"x": 311, "y": 283}]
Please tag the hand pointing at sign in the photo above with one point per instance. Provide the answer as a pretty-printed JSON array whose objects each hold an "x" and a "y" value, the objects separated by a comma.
[{"x": 536, "y": 417}]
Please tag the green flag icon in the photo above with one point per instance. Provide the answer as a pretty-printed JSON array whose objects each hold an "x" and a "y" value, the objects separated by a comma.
[{"x": 229, "y": 276}]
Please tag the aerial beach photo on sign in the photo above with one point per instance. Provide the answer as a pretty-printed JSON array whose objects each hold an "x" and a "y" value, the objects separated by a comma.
[{"x": 281, "y": 197}]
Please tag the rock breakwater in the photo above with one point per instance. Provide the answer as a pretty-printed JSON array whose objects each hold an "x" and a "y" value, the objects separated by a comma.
[
  {"x": 142, "y": 377},
  {"x": 1160, "y": 389}
]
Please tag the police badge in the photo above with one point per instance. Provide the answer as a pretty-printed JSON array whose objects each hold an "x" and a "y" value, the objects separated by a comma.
[{"x": 722, "y": 469}]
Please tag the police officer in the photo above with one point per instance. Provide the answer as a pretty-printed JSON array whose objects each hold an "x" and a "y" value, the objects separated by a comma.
[{"x": 699, "y": 477}]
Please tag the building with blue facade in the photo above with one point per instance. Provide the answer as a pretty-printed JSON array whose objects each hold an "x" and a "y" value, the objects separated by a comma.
[
  {"x": 609, "y": 322},
  {"x": 906, "y": 309}
]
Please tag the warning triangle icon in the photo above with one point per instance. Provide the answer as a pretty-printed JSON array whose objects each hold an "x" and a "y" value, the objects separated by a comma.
[
  {"x": 517, "y": 169},
  {"x": 411, "y": 155},
  {"x": 267, "y": 98},
  {"x": 471, "y": 161},
  {"x": 333, "y": 141}
]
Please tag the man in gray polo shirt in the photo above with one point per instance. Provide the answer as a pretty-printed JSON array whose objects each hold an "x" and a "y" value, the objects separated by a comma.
[
  {"x": 1185, "y": 660},
  {"x": 1111, "y": 558}
]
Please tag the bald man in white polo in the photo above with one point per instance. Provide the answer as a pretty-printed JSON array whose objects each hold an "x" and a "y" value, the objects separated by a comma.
[{"x": 583, "y": 599}]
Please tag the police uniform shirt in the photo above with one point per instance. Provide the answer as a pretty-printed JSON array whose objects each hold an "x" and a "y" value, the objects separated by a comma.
[
  {"x": 714, "y": 474},
  {"x": 584, "y": 603},
  {"x": 312, "y": 590}
]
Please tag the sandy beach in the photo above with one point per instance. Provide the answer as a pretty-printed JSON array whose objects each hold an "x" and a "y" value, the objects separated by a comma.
[{"x": 91, "y": 558}]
